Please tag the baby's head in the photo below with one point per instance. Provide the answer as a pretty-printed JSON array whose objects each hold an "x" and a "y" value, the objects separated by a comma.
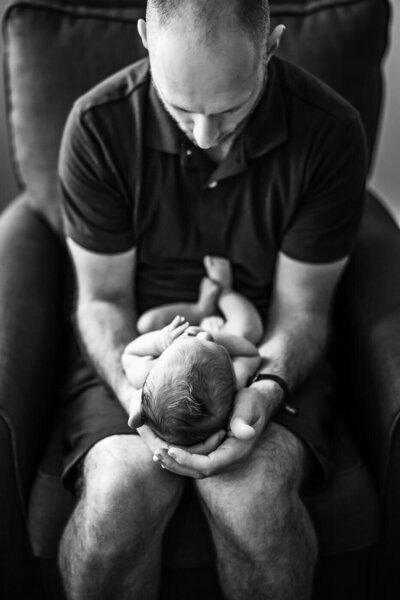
[{"x": 188, "y": 394}]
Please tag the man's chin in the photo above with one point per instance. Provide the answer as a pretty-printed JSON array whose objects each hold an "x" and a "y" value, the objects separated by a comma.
[{"x": 223, "y": 140}]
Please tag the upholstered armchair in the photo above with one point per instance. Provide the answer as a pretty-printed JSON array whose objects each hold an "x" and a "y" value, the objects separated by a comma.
[{"x": 55, "y": 51}]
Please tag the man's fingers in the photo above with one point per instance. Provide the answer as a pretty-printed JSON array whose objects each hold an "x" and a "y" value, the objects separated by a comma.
[
  {"x": 246, "y": 412},
  {"x": 196, "y": 464},
  {"x": 241, "y": 430},
  {"x": 229, "y": 453},
  {"x": 210, "y": 444},
  {"x": 151, "y": 439},
  {"x": 164, "y": 460}
]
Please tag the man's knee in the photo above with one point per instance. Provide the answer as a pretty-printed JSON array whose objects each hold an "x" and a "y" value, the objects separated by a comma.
[
  {"x": 123, "y": 491},
  {"x": 262, "y": 494}
]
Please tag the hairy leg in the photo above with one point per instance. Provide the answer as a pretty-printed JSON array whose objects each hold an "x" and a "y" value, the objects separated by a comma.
[
  {"x": 265, "y": 542},
  {"x": 240, "y": 315},
  {"x": 193, "y": 312},
  {"x": 111, "y": 547}
]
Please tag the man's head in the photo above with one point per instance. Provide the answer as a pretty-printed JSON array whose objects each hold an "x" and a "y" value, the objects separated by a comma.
[
  {"x": 208, "y": 60},
  {"x": 188, "y": 394}
]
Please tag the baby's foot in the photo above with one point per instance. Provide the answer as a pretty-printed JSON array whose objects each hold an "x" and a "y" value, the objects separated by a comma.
[
  {"x": 219, "y": 270},
  {"x": 212, "y": 324},
  {"x": 208, "y": 295}
]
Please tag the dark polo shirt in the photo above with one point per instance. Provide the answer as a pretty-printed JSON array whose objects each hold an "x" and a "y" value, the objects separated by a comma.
[{"x": 292, "y": 182}]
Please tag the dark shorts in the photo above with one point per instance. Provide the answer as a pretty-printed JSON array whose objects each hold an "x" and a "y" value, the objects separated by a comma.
[{"x": 92, "y": 413}]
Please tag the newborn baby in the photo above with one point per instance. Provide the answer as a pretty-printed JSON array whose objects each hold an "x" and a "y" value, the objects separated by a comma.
[
  {"x": 189, "y": 374},
  {"x": 189, "y": 378}
]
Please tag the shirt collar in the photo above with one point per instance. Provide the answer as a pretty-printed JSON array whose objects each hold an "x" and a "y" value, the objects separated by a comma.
[{"x": 266, "y": 129}]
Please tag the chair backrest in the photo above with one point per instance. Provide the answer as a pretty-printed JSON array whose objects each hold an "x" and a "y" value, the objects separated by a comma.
[{"x": 56, "y": 51}]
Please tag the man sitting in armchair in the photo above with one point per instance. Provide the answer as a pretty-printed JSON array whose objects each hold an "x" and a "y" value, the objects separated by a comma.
[{"x": 211, "y": 146}]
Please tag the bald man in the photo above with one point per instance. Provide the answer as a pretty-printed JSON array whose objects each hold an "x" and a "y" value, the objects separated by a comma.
[{"x": 211, "y": 146}]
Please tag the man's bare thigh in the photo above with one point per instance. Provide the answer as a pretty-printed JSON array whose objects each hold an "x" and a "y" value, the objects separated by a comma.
[{"x": 123, "y": 464}]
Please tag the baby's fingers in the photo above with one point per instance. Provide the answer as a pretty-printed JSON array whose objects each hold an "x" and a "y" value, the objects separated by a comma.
[
  {"x": 179, "y": 330},
  {"x": 175, "y": 322}
]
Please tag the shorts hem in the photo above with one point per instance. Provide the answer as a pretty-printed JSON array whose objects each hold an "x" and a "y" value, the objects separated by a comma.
[{"x": 68, "y": 475}]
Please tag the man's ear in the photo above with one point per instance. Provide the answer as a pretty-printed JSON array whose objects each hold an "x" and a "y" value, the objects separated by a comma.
[
  {"x": 274, "y": 40},
  {"x": 142, "y": 29}
]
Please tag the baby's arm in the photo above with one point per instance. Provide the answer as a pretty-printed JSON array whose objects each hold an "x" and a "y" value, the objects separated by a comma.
[
  {"x": 139, "y": 356},
  {"x": 137, "y": 368},
  {"x": 245, "y": 356},
  {"x": 245, "y": 367}
]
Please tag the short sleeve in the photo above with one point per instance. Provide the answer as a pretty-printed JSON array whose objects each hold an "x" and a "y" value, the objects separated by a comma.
[
  {"x": 96, "y": 213},
  {"x": 326, "y": 221}
]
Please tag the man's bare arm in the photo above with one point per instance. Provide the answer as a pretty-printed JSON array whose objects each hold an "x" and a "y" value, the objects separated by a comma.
[
  {"x": 105, "y": 314},
  {"x": 299, "y": 319}
]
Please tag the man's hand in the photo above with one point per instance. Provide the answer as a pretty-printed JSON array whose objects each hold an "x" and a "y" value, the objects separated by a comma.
[
  {"x": 157, "y": 444},
  {"x": 251, "y": 414}
]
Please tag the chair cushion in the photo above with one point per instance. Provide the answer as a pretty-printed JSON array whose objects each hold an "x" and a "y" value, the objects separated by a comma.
[
  {"x": 56, "y": 51},
  {"x": 345, "y": 510}
]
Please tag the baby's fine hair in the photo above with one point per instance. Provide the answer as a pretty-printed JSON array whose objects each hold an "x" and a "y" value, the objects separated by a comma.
[{"x": 186, "y": 405}]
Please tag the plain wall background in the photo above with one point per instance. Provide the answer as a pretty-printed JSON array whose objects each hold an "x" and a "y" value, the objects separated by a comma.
[
  {"x": 8, "y": 188},
  {"x": 385, "y": 178}
]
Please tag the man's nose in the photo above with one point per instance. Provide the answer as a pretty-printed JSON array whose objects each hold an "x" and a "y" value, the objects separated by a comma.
[{"x": 205, "y": 131}]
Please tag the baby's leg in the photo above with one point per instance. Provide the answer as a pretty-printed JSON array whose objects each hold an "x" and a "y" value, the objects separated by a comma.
[
  {"x": 241, "y": 316},
  {"x": 193, "y": 312}
]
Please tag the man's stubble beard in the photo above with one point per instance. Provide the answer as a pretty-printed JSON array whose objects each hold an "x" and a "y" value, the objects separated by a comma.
[{"x": 231, "y": 136}]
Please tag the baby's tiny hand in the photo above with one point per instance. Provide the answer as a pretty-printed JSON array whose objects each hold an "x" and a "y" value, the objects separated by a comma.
[{"x": 172, "y": 331}]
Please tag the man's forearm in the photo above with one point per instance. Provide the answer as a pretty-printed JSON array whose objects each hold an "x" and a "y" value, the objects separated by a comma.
[
  {"x": 291, "y": 349},
  {"x": 105, "y": 329}
]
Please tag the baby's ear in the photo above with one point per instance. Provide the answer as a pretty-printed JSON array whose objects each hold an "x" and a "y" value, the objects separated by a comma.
[
  {"x": 135, "y": 421},
  {"x": 129, "y": 349}
]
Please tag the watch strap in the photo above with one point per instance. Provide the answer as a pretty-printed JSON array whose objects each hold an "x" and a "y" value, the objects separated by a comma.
[{"x": 283, "y": 385}]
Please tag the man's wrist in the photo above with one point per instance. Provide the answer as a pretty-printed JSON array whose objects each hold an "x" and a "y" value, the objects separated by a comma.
[
  {"x": 270, "y": 389},
  {"x": 273, "y": 387}
]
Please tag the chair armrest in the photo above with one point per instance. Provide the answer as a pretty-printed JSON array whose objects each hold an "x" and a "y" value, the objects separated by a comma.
[
  {"x": 31, "y": 260},
  {"x": 369, "y": 326}
]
